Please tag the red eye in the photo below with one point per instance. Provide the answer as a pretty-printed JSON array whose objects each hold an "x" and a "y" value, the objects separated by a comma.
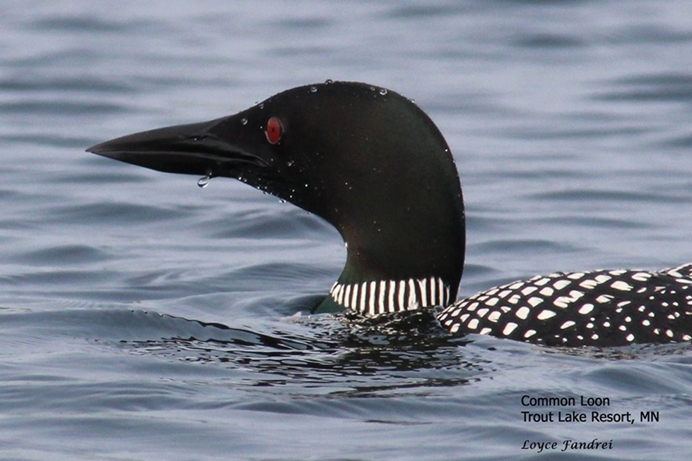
[{"x": 274, "y": 130}]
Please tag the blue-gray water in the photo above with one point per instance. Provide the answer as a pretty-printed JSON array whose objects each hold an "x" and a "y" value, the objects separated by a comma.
[{"x": 571, "y": 123}]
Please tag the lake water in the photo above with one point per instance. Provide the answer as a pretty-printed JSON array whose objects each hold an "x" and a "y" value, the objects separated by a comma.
[{"x": 143, "y": 318}]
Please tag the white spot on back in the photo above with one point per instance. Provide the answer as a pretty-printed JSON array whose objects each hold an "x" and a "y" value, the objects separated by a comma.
[
  {"x": 560, "y": 284},
  {"x": 509, "y": 328},
  {"x": 546, "y": 314},
  {"x": 585, "y": 309},
  {"x": 547, "y": 291},
  {"x": 588, "y": 284},
  {"x": 567, "y": 324},
  {"x": 535, "y": 301},
  {"x": 561, "y": 302},
  {"x": 523, "y": 312},
  {"x": 622, "y": 286},
  {"x": 641, "y": 276},
  {"x": 494, "y": 316}
]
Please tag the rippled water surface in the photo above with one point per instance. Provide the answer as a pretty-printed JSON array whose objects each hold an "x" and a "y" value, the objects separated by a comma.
[{"x": 142, "y": 317}]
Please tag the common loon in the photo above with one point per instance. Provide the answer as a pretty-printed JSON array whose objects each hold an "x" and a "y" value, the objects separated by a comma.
[{"x": 371, "y": 163}]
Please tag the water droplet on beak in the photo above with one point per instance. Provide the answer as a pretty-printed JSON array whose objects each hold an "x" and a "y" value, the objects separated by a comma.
[{"x": 204, "y": 181}]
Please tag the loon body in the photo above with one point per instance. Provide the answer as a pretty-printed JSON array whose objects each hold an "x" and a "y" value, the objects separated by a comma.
[{"x": 375, "y": 166}]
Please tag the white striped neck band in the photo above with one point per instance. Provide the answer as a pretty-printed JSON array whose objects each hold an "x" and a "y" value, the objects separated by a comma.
[{"x": 382, "y": 296}]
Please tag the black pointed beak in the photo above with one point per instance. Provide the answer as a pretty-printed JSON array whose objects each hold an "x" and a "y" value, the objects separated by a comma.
[{"x": 195, "y": 149}]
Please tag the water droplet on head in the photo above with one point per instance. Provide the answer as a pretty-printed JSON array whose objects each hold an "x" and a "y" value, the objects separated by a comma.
[
  {"x": 204, "y": 181},
  {"x": 329, "y": 81},
  {"x": 383, "y": 91},
  {"x": 261, "y": 106},
  {"x": 313, "y": 89},
  {"x": 243, "y": 121}
]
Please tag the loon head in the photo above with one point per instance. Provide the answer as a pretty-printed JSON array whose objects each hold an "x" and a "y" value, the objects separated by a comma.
[{"x": 365, "y": 159}]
